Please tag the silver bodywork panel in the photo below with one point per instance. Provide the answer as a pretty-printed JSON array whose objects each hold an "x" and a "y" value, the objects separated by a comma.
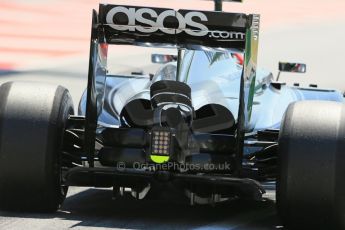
[{"x": 214, "y": 79}]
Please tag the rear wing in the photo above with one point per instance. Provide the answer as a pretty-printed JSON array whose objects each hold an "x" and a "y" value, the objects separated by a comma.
[
  {"x": 183, "y": 28},
  {"x": 160, "y": 27}
]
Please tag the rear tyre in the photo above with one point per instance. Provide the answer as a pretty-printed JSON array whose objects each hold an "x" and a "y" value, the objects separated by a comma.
[
  {"x": 310, "y": 185},
  {"x": 32, "y": 122}
]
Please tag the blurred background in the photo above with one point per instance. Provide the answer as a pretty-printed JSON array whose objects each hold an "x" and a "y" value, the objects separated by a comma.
[
  {"x": 48, "y": 40},
  {"x": 43, "y": 39}
]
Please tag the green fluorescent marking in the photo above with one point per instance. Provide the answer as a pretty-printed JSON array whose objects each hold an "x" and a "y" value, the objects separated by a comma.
[
  {"x": 251, "y": 99},
  {"x": 159, "y": 159}
]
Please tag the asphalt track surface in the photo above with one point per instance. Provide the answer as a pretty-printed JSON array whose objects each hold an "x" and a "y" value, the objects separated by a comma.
[
  {"x": 95, "y": 209},
  {"x": 316, "y": 37}
]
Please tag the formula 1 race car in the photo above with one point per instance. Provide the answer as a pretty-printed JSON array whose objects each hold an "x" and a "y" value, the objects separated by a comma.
[{"x": 207, "y": 122}]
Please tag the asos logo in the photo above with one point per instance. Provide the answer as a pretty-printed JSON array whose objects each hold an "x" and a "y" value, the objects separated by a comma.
[{"x": 151, "y": 26}]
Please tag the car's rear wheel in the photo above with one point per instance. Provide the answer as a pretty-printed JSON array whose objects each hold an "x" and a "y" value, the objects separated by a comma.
[
  {"x": 311, "y": 185},
  {"x": 32, "y": 121}
]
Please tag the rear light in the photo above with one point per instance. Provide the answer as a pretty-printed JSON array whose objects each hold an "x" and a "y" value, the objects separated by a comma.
[{"x": 161, "y": 144}]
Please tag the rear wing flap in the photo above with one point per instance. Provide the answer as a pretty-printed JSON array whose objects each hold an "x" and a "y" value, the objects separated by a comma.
[{"x": 184, "y": 28}]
